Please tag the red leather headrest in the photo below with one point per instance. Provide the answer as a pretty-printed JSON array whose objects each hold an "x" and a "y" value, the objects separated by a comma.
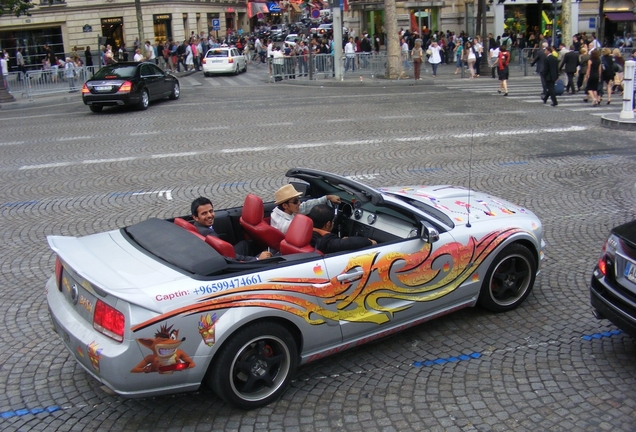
[
  {"x": 185, "y": 225},
  {"x": 300, "y": 230},
  {"x": 252, "y": 209}
]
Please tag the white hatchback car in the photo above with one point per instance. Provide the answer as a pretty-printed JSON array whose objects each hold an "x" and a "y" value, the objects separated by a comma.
[{"x": 224, "y": 60}]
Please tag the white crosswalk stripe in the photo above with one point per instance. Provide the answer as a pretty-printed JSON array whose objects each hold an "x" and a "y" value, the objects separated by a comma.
[{"x": 529, "y": 90}]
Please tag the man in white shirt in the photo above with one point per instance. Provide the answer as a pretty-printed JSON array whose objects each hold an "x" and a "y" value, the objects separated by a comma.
[
  {"x": 350, "y": 53},
  {"x": 4, "y": 68},
  {"x": 270, "y": 54},
  {"x": 405, "y": 53},
  {"x": 288, "y": 205},
  {"x": 149, "y": 52}
]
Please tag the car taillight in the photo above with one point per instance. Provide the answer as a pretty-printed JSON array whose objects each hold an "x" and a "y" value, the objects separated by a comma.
[
  {"x": 58, "y": 272},
  {"x": 203, "y": 60},
  {"x": 602, "y": 265},
  {"x": 85, "y": 89},
  {"x": 126, "y": 87},
  {"x": 230, "y": 60},
  {"x": 109, "y": 321}
]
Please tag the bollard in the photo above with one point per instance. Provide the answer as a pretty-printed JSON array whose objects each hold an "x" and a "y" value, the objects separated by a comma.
[{"x": 628, "y": 90}]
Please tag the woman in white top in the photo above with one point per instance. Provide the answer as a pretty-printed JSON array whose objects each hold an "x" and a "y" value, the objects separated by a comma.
[
  {"x": 493, "y": 56},
  {"x": 189, "y": 58},
  {"x": 471, "y": 57},
  {"x": 435, "y": 56}
]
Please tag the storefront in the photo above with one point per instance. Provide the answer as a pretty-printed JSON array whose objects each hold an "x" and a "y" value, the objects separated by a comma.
[
  {"x": 32, "y": 42},
  {"x": 162, "y": 24},
  {"x": 113, "y": 31},
  {"x": 257, "y": 12},
  {"x": 619, "y": 19},
  {"x": 527, "y": 16}
]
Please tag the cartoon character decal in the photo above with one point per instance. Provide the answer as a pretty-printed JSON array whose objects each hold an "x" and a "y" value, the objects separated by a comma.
[
  {"x": 94, "y": 354},
  {"x": 206, "y": 329},
  {"x": 166, "y": 356},
  {"x": 421, "y": 276}
]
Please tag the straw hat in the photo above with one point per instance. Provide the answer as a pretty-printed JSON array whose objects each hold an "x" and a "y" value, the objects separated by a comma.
[{"x": 286, "y": 193}]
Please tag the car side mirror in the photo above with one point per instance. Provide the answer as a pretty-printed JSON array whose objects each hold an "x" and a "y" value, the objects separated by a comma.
[{"x": 428, "y": 232}]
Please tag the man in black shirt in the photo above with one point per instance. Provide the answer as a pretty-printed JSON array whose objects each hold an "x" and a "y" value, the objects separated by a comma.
[{"x": 327, "y": 242}]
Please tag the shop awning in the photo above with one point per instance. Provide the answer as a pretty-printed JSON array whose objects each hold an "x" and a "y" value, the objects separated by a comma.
[
  {"x": 254, "y": 8},
  {"x": 620, "y": 16},
  {"x": 295, "y": 7}
]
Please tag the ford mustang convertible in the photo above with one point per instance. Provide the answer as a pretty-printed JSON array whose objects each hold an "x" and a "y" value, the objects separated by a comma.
[{"x": 156, "y": 308}]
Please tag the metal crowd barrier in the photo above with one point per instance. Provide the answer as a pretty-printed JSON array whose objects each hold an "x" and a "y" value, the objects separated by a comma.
[
  {"x": 44, "y": 82},
  {"x": 322, "y": 66}
]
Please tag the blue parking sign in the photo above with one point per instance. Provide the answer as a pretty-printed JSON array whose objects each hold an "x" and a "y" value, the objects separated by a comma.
[{"x": 216, "y": 24}]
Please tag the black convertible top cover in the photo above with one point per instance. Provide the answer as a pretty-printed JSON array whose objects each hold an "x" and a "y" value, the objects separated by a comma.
[{"x": 177, "y": 246}]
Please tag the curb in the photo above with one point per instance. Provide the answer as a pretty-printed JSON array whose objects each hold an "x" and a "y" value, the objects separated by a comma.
[{"x": 614, "y": 121}]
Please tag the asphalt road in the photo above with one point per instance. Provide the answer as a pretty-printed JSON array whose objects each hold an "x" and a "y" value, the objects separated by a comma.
[{"x": 549, "y": 365}]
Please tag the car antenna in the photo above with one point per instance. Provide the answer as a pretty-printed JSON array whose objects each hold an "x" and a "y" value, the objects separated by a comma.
[{"x": 470, "y": 172}]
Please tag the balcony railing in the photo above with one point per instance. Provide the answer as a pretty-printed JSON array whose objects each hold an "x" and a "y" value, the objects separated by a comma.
[{"x": 52, "y": 2}]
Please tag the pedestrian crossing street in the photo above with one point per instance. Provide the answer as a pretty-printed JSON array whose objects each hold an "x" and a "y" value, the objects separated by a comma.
[{"x": 528, "y": 90}]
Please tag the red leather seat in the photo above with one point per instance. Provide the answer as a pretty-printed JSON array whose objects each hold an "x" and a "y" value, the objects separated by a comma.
[
  {"x": 188, "y": 226},
  {"x": 256, "y": 228},
  {"x": 298, "y": 236},
  {"x": 221, "y": 246}
]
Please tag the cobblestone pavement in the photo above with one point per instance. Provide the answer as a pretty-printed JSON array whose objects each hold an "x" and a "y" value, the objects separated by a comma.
[{"x": 549, "y": 365}]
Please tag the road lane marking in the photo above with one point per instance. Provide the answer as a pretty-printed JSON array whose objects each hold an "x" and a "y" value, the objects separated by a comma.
[{"x": 573, "y": 128}]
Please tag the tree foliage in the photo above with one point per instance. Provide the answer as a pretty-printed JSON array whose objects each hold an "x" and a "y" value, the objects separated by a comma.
[{"x": 15, "y": 7}]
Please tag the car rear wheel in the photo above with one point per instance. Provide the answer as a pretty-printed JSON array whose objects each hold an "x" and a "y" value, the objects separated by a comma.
[
  {"x": 255, "y": 365},
  {"x": 509, "y": 279},
  {"x": 144, "y": 101},
  {"x": 237, "y": 70},
  {"x": 245, "y": 67},
  {"x": 176, "y": 91},
  {"x": 95, "y": 108}
]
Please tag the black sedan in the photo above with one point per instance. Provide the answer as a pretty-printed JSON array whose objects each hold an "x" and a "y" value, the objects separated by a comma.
[
  {"x": 129, "y": 83},
  {"x": 613, "y": 286}
]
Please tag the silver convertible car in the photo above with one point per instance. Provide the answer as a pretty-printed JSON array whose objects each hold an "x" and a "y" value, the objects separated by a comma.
[{"x": 154, "y": 308}]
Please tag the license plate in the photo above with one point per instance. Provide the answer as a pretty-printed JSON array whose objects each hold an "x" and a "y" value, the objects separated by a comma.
[
  {"x": 630, "y": 272},
  {"x": 217, "y": 61},
  {"x": 103, "y": 88}
]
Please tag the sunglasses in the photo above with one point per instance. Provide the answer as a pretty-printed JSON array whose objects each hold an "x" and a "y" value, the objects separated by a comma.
[{"x": 294, "y": 201}]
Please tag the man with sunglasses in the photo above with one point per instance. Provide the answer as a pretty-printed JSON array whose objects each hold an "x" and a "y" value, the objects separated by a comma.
[
  {"x": 324, "y": 240},
  {"x": 288, "y": 204}
]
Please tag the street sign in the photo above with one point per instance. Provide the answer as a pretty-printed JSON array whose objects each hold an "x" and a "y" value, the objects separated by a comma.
[
  {"x": 315, "y": 13},
  {"x": 216, "y": 24}
]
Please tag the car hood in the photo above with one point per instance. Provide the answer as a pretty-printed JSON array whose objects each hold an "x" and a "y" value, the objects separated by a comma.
[{"x": 454, "y": 201}]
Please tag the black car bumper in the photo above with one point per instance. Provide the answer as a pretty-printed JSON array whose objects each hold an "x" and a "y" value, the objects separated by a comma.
[
  {"x": 613, "y": 305},
  {"x": 111, "y": 99}
]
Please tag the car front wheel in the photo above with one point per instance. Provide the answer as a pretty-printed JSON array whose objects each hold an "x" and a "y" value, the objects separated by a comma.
[
  {"x": 176, "y": 91},
  {"x": 145, "y": 100},
  {"x": 255, "y": 365},
  {"x": 509, "y": 279}
]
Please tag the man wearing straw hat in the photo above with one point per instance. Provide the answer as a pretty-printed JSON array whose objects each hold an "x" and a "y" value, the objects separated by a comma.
[{"x": 288, "y": 204}]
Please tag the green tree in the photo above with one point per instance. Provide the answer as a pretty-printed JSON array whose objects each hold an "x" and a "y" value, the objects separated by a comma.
[{"x": 16, "y": 7}]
